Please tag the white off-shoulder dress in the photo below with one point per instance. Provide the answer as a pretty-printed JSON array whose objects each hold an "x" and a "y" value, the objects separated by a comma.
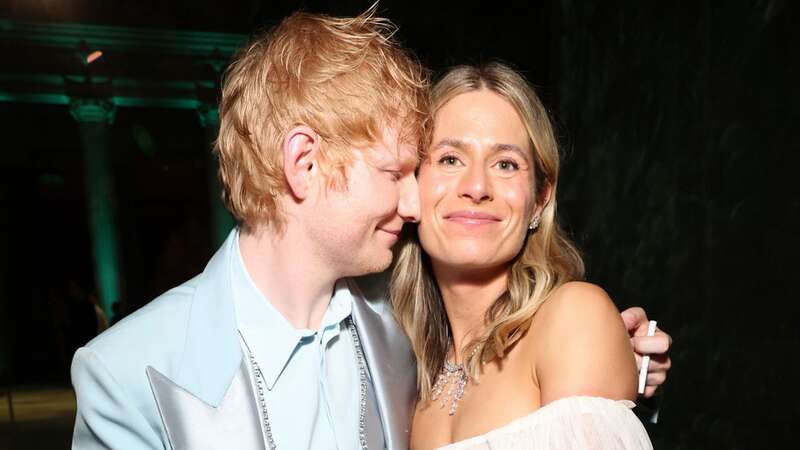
[{"x": 591, "y": 423}]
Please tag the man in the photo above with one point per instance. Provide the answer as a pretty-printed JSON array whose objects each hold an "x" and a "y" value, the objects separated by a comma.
[{"x": 273, "y": 345}]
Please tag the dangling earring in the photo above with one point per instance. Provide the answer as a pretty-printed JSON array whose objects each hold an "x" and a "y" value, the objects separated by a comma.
[{"x": 534, "y": 223}]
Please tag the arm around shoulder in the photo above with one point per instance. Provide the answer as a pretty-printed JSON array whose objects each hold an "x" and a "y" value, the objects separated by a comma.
[
  {"x": 106, "y": 417},
  {"x": 582, "y": 346}
]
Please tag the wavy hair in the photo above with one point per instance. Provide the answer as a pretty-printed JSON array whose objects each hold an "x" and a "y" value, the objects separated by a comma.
[
  {"x": 547, "y": 259},
  {"x": 346, "y": 78}
]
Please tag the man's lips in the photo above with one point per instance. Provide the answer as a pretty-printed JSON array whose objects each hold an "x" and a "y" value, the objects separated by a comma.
[
  {"x": 391, "y": 231},
  {"x": 469, "y": 217}
]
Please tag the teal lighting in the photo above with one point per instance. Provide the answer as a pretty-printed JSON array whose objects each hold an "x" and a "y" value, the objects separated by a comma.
[
  {"x": 50, "y": 180},
  {"x": 71, "y": 36},
  {"x": 222, "y": 221},
  {"x": 93, "y": 118},
  {"x": 59, "y": 82},
  {"x": 67, "y": 40},
  {"x": 128, "y": 92},
  {"x": 144, "y": 140}
]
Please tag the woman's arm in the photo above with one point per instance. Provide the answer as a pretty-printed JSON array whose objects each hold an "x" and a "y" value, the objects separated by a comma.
[{"x": 582, "y": 346}]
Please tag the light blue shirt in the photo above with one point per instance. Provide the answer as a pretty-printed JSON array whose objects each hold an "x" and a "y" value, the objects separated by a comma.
[{"x": 311, "y": 376}]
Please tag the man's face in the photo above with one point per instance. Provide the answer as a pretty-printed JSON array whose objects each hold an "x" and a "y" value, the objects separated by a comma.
[{"x": 356, "y": 227}]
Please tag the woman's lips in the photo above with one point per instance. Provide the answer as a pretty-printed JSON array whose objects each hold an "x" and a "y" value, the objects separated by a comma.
[{"x": 471, "y": 218}]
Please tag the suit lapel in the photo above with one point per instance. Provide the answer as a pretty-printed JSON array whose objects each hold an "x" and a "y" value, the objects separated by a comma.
[
  {"x": 210, "y": 402},
  {"x": 390, "y": 360},
  {"x": 210, "y": 370},
  {"x": 191, "y": 423},
  {"x": 212, "y": 353}
]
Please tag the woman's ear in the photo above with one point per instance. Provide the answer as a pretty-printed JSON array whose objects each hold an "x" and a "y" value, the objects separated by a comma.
[
  {"x": 542, "y": 198},
  {"x": 300, "y": 151}
]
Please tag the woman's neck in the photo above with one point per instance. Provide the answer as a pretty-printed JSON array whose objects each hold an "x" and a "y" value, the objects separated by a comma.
[{"x": 467, "y": 296}]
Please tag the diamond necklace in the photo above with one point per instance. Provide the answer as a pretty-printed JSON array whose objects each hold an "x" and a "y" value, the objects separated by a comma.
[
  {"x": 454, "y": 376},
  {"x": 362, "y": 374}
]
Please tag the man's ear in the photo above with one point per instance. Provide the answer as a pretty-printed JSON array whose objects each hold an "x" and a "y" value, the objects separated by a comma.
[{"x": 300, "y": 151}]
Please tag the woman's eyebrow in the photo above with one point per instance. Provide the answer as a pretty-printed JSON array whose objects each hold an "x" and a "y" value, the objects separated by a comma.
[
  {"x": 511, "y": 148},
  {"x": 461, "y": 145},
  {"x": 451, "y": 142}
]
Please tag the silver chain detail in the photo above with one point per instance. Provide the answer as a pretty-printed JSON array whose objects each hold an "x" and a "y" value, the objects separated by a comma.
[
  {"x": 362, "y": 374},
  {"x": 451, "y": 383},
  {"x": 262, "y": 402}
]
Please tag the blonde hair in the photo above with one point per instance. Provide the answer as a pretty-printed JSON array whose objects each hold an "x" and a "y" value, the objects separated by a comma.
[
  {"x": 547, "y": 260},
  {"x": 346, "y": 78}
]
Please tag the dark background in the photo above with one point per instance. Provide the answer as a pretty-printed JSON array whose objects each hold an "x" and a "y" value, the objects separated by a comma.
[{"x": 678, "y": 124}]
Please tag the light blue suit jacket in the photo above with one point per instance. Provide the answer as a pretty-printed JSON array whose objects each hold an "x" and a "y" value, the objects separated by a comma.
[{"x": 185, "y": 343}]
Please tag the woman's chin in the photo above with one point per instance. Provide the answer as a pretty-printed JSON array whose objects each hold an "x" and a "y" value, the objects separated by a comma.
[{"x": 469, "y": 263}]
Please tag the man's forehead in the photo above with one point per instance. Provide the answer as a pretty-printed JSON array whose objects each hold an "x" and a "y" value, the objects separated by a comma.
[
  {"x": 403, "y": 154},
  {"x": 396, "y": 147}
]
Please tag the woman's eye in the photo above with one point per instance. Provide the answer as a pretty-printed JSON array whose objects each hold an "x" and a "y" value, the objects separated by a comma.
[{"x": 507, "y": 164}]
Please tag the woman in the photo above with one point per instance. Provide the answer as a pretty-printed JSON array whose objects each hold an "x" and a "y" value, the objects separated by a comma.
[{"x": 512, "y": 350}]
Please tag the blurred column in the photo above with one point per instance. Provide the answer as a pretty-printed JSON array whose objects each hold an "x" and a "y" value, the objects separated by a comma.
[
  {"x": 221, "y": 220},
  {"x": 6, "y": 326},
  {"x": 94, "y": 118}
]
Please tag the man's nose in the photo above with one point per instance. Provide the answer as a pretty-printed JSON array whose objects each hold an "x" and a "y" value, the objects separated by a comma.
[{"x": 408, "y": 207}]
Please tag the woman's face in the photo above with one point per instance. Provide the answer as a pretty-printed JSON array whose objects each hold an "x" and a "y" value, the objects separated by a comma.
[{"x": 476, "y": 184}]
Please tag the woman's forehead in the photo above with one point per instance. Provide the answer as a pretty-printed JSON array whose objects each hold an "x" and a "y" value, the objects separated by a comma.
[{"x": 480, "y": 115}]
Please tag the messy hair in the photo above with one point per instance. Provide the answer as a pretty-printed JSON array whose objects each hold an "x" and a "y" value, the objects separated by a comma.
[{"x": 345, "y": 78}]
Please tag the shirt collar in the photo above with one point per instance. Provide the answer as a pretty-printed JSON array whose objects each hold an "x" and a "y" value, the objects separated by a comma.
[{"x": 265, "y": 331}]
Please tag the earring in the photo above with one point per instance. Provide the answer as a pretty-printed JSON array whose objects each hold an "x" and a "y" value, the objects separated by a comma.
[{"x": 534, "y": 223}]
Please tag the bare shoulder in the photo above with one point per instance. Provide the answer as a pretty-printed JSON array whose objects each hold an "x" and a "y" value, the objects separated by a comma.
[
  {"x": 577, "y": 304},
  {"x": 582, "y": 346}
]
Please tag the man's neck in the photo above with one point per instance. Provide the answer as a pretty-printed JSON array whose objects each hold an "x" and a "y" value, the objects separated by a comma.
[{"x": 289, "y": 274}]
